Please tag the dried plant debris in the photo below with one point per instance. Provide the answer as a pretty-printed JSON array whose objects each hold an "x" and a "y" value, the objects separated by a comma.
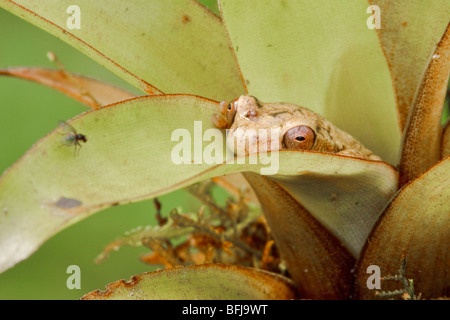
[
  {"x": 407, "y": 292},
  {"x": 233, "y": 233}
]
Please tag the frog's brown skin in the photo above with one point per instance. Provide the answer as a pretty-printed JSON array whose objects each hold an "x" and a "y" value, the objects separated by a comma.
[{"x": 247, "y": 112}]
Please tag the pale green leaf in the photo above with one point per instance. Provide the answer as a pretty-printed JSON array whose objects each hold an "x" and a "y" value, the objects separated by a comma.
[
  {"x": 175, "y": 46},
  {"x": 202, "y": 282},
  {"x": 320, "y": 55},
  {"x": 128, "y": 157}
]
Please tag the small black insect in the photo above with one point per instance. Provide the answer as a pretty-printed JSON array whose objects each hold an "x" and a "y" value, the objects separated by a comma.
[{"x": 72, "y": 137}]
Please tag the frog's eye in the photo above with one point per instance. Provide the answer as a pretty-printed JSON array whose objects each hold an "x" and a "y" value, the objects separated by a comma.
[
  {"x": 299, "y": 138},
  {"x": 231, "y": 111}
]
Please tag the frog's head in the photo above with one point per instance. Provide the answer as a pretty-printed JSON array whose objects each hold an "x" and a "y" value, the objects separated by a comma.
[
  {"x": 264, "y": 127},
  {"x": 246, "y": 118},
  {"x": 244, "y": 107}
]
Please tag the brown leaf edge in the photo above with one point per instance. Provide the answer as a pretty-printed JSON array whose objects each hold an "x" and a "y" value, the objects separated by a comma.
[
  {"x": 422, "y": 137},
  {"x": 90, "y": 92},
  {"x": 267, "y": 285},
  {"x": 319, "y": 264}
]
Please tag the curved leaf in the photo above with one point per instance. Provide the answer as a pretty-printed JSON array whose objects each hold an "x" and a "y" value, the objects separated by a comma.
[
  {"x": 418, "y": 222},
  {"x": 91, "y": 92},
  {"x": 347, "y": 204},
  {"x": 177, "y": 46},
  {"x": 202, "y": 282},
  {"x": 317, "y": 261},
  {"x": 320, "y": 55},
  {"x": 410, "y": 30},
  {"x": 130, "y": 155},
  {"x": 344, "y": 207},
  {"x": 422, "y": 137},
  {"x": 60, "y": 185}
]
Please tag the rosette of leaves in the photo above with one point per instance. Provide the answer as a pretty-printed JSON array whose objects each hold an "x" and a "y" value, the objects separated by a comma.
[{"x": 330, "y": 216}]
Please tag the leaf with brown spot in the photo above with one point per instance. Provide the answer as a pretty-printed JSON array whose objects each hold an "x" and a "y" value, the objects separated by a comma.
[
  {"x": 91, "y": 92},
  {"x": 422, "y": 137},
  {"x": 122, "y": 140},
  {"x": 202, "y": 282},
  {"x": 418, "y": 222}
]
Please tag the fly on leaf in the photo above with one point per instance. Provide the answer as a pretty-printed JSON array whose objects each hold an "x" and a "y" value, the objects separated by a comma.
[{"x": 72, "y": 137}]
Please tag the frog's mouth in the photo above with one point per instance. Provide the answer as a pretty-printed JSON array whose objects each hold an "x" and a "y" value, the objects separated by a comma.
[{"x": 248, "y": 141}]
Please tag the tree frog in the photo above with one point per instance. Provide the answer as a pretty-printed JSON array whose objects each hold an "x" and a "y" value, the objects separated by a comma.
[{"x": 299, "y": 128}]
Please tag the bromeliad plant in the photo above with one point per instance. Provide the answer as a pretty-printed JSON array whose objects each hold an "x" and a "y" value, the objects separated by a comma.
[{"x": 331, "y": 216}]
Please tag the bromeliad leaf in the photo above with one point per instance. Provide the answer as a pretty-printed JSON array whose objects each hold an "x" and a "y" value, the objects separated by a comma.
[
  {"x": 420, "y": 226},
  {"x": 409, "y": 33},
  {"x": 128, "y": 157},
  {"x": 188, "y": 53},
  {"x": 204, "y": 282},
  {"x": 421, "y": 147}
]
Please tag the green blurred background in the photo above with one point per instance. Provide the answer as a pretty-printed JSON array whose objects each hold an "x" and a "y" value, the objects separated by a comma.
[{"x": 28, "y": 111}]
